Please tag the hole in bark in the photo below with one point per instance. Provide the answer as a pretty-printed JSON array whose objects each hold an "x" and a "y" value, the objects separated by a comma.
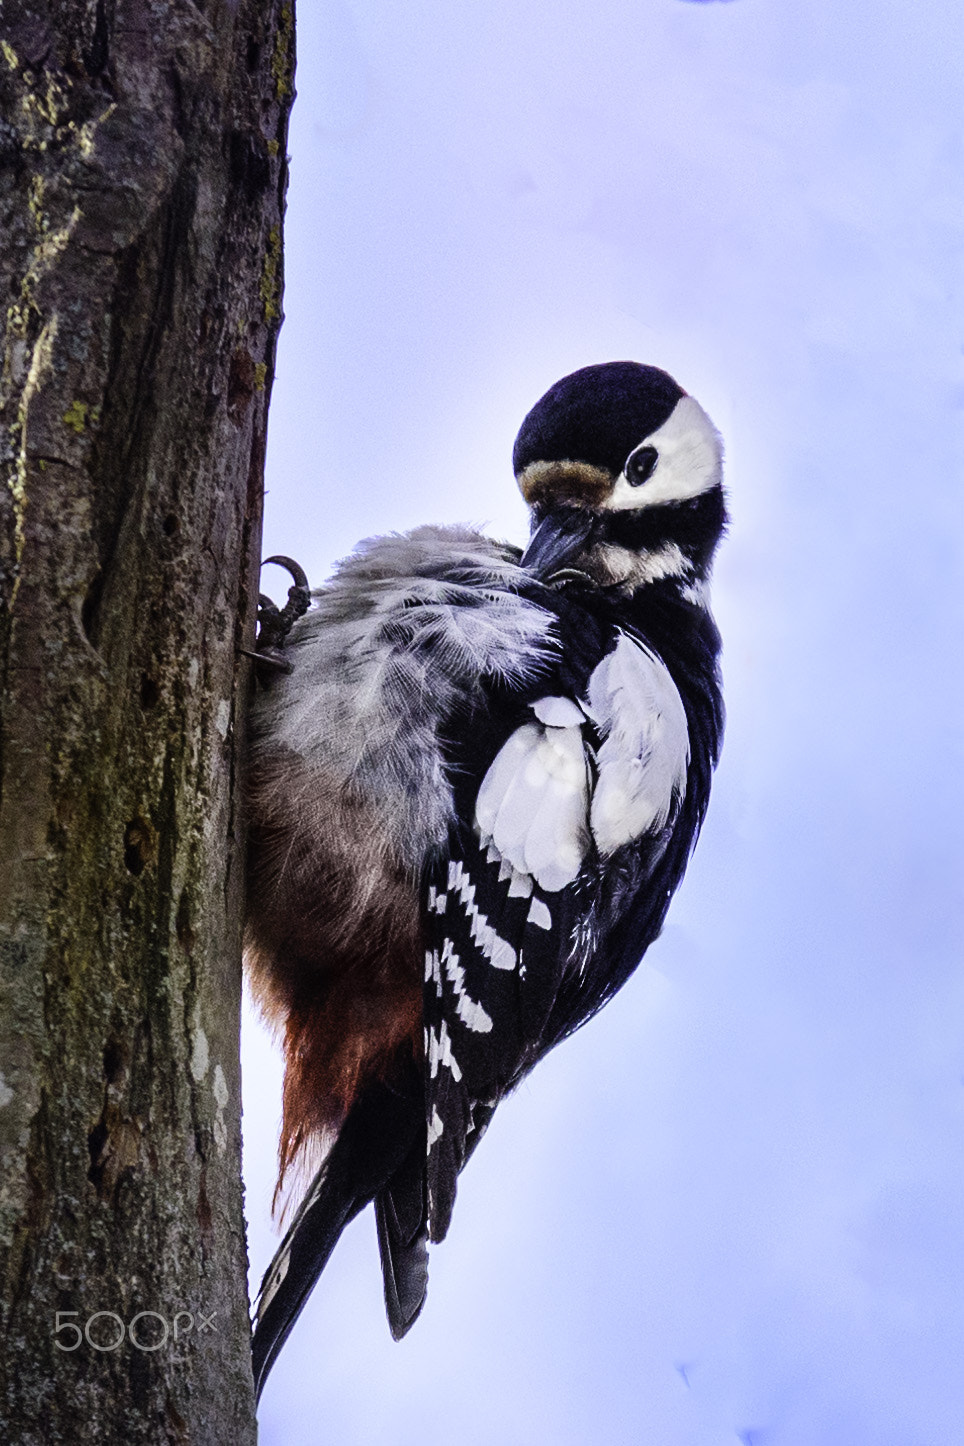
[
  {"x": 204, "y": 1217},
  {"x": 97, "y": 53},
  {"x": 89, "y": 608},
  {"x": 150, "y": 692},
  {"x": 253, "y": 55},
  {"x": 96, "y": 1141},
  {"x": 250, "y": 167},
  {"x": 115, "y": 1061},
  {"x": 182, "y": 924},
  {"x": 138, "y": 845},
  {"x": 171, "y": 524}
]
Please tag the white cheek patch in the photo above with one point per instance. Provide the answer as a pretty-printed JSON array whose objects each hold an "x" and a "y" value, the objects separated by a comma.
[
  {"x": 536, "y": 810},
  {"x": 690, "y": 461}
]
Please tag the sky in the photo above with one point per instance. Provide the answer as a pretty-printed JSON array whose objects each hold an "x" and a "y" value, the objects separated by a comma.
[{"x": 731, "y": 1209}]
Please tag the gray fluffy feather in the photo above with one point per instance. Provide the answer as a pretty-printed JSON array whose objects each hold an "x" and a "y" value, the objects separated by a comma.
[{"x": 394, "y": 643}]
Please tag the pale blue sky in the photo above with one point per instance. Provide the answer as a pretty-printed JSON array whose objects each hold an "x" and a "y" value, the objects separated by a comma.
[{"x": 732, "y": 1208}]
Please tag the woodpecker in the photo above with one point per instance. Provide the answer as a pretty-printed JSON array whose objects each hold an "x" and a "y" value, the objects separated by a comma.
[{"x": 471, "y": 800}]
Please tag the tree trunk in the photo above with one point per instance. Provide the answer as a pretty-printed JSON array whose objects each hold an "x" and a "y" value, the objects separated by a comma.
[{"x": 142, "y": 176}]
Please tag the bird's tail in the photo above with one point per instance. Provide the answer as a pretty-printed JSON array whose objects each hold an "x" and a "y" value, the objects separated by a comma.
[
  {"x": 375, "y": 1156},
  {"x": 403, "y": 1242}
]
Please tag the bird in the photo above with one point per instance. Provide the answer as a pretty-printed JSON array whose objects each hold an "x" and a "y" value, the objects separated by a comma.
[{"x": 473, "y": 788}]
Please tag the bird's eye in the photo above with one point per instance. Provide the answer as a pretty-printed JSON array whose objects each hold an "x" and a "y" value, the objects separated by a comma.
[{"x": 641, "y": 466}]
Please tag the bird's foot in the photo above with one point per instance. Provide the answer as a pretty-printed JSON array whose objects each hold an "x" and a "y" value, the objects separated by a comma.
[{"x": 274, "y": 623}]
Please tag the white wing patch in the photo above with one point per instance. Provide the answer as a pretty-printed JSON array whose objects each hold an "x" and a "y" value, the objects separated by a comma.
[
  {"x": 642, "y": 763},
  {"x": 559, "y": 712},
  {"x": 536, "y": 809},
  {"x": 539, "y": 915},
  {"x": 533, "y": 804}
]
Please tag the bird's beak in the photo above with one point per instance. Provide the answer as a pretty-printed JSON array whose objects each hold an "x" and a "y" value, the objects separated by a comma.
[{"x": 558, "y": 541}]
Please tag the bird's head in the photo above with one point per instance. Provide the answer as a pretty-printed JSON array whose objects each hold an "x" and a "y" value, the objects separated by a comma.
[{"x": 622, "y": 472}]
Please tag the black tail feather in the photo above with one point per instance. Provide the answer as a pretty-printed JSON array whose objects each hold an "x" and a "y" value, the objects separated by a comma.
[
  {"x": 299, "y": 1261},
  {"x": 402, "y": 1240},
  {"x": 379, "y": 1137},
  {"x": 404, "y": 1266}
]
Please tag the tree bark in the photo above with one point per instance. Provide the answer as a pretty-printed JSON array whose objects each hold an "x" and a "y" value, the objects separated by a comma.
[{"x": 142, "y": 177}]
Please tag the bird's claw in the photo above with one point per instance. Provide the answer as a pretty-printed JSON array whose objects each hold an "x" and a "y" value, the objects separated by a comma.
[{"x": 274, "y": 623}]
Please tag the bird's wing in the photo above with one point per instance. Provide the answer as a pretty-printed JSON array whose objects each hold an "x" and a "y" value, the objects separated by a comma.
[
  {"x": 495, "y": 953},
  {"x": 592, "y": 766}
]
